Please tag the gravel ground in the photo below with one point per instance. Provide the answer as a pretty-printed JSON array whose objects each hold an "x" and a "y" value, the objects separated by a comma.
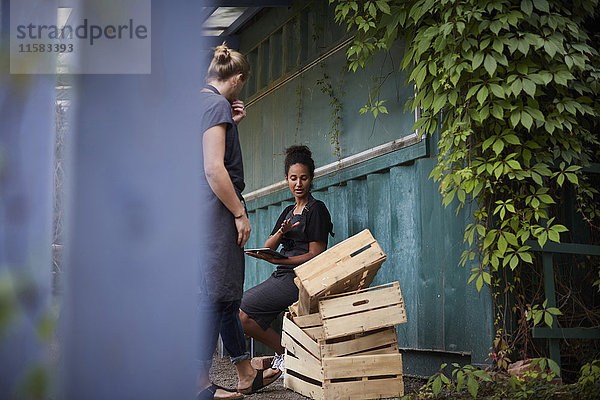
[{"x": 223, "y": 373}]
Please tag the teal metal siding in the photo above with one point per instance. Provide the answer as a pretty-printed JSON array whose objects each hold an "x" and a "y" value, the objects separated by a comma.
[{"x": 391, "y": 194}]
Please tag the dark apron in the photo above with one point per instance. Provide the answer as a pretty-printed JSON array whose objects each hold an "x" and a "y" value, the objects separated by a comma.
[{"x": 295, "y": 242}]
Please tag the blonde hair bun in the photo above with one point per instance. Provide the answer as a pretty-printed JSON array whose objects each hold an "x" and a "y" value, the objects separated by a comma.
[
  {"x": 222, "y": 54},
  {"x": 227, "y": 62}
]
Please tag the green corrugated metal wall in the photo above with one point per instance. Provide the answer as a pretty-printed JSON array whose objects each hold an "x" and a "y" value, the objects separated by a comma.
[{"x": 390, "y": 194}]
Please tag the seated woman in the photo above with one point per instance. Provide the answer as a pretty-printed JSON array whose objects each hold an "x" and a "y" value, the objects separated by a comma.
[{"x": 302, "y": 229}]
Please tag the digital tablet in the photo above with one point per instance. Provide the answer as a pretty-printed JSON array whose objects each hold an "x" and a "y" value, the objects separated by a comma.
[{"x": 266, "y": 250}]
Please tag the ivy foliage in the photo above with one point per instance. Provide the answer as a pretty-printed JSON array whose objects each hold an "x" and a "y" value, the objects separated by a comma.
[
  {"x": 537, "y": 381},
  {"x": 512, "y": 87}
]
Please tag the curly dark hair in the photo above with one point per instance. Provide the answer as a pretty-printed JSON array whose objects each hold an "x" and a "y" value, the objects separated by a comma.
[{"x": 299, "y": 155}]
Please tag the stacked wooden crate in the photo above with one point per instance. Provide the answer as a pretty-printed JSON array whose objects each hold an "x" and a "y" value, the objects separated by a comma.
[{"x": 340, "y": 338}]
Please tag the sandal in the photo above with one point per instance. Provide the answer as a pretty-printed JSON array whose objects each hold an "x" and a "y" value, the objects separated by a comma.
[
  {"x": 258, "y": 383},
  {"x": 209, "y": 393}
]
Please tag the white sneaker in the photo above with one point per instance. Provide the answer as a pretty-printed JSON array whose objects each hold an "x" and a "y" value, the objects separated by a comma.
[{"x": 278, "y": 362}]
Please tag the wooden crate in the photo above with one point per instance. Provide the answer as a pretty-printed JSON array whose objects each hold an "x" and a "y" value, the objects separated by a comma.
[
  {"x": 358, "y": 366},
  {"x": 349, "y": 265},
  {"x": 351, "y": 377},
  {"x": 362, "y": 311},
  {"x": 363, "y": 377},
  {"x": 304, "y": 336}
]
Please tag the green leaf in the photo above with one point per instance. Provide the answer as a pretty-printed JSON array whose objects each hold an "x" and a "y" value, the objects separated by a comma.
[
  {"x": 445, "y": 379},
  {"x": 498, "y": 146},
  {"x": 479, "y": 283},
  {"x": 554, "y": 367},
  {"x": 526, "y": 257},
  {"x": 490, "y": 64},
  {"x": 515, "y": 117},
  {"x": 526, "y": 120},
  {"x": 502, "y": 244},
  {"x": 514, "y": 262},
  {"x": 527, "y": 7},
  {"x": 483, "y": 375},
  {"x": 383, "y": 6},
  {"x": 529, "y": 87},
  {"x": 477, "y": 60},
  {"x": 547, "y": 199},
  {"x": 550, "y": 48},
  {"x": 497, "y": 90},
  {"x": 460, "y": 378},
  {"x": 489, "y": 238},
  {"x": 541, "y": 5},
  {"x": 472, "y": 386},
  {"x": 516, "y": 86},
  {"x": 512, "y": 139},
  {"x": 453, "y": 97},
  {"x": 460, "y": 194},
  {"x": 437, "y": 385},
  {"x": 372, "y": 10},
  {"x": 472, "y": 91},
  {"x": 498, "y": 111},
  {"x": 482, "y": 95},
  {"x": 554, "y": 236},
  {"x": 438, "y": 103},
  {"x": 511, "y": 238},
  {"x": 553, "y": 311},
  {"x": 488, "y": 142},
  {"x": 548, "y": 320},
  {"x": 542, "y": 239},
  {"x": 559, "y": 228}
]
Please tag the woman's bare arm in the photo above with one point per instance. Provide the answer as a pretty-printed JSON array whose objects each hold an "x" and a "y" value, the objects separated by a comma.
[{"x": 213, "y": 144}]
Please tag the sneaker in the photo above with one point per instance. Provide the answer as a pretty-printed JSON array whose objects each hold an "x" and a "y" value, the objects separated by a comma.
[{"x": 278, "y": 362}]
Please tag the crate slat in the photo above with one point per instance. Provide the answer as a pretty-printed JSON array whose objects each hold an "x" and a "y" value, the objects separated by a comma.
[
  {"x": 375, "y": 319},
  {"x": 303, "y": 387},
  {"x": 299, "y": 351},
  {"x": 308, "y": 321},
  {"x": 362, "y": 344},
  {"x": 311, "y": 268},
  {"x": 366, "y": 389},
  {"x": 338, "y": 276},
  {"x": 381, "y": 296},
  {"x": 300, "y": 337},
  {"x": 304, "y": 365},
  {"x": 361, "y": 366},
  {"x": 392, "y": 349}
]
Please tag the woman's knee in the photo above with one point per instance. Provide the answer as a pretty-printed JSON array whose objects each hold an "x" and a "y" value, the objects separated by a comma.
[{"x": 245, "y": 319}]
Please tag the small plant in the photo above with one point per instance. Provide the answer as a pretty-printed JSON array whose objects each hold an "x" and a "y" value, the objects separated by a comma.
[
  {"x": 546, "y": 313},
  {"x": 463, "y": 378},
  {"x": 590, "y": 374},
  {"x": 336, "y": 108}
]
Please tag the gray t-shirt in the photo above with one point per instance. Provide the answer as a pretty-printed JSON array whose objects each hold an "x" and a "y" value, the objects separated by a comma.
[{"x": 217, "y": 110}]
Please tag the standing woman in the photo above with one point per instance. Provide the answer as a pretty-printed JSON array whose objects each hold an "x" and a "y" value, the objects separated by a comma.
[
  {"x": 225, "y": 226},
  {"x": 302, "y": 229}
]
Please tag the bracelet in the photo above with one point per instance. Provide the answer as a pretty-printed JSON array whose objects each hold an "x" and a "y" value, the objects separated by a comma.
[{"x": 239, "y": 216}]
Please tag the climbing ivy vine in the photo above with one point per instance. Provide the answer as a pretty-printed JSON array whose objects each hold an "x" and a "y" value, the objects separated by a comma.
[{"x": 512, "y": 89}]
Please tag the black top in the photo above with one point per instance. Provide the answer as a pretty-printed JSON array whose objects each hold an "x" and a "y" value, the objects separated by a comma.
[
  {"x": 217, "y": 110},
  {"x": 315, "y": 225}
]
